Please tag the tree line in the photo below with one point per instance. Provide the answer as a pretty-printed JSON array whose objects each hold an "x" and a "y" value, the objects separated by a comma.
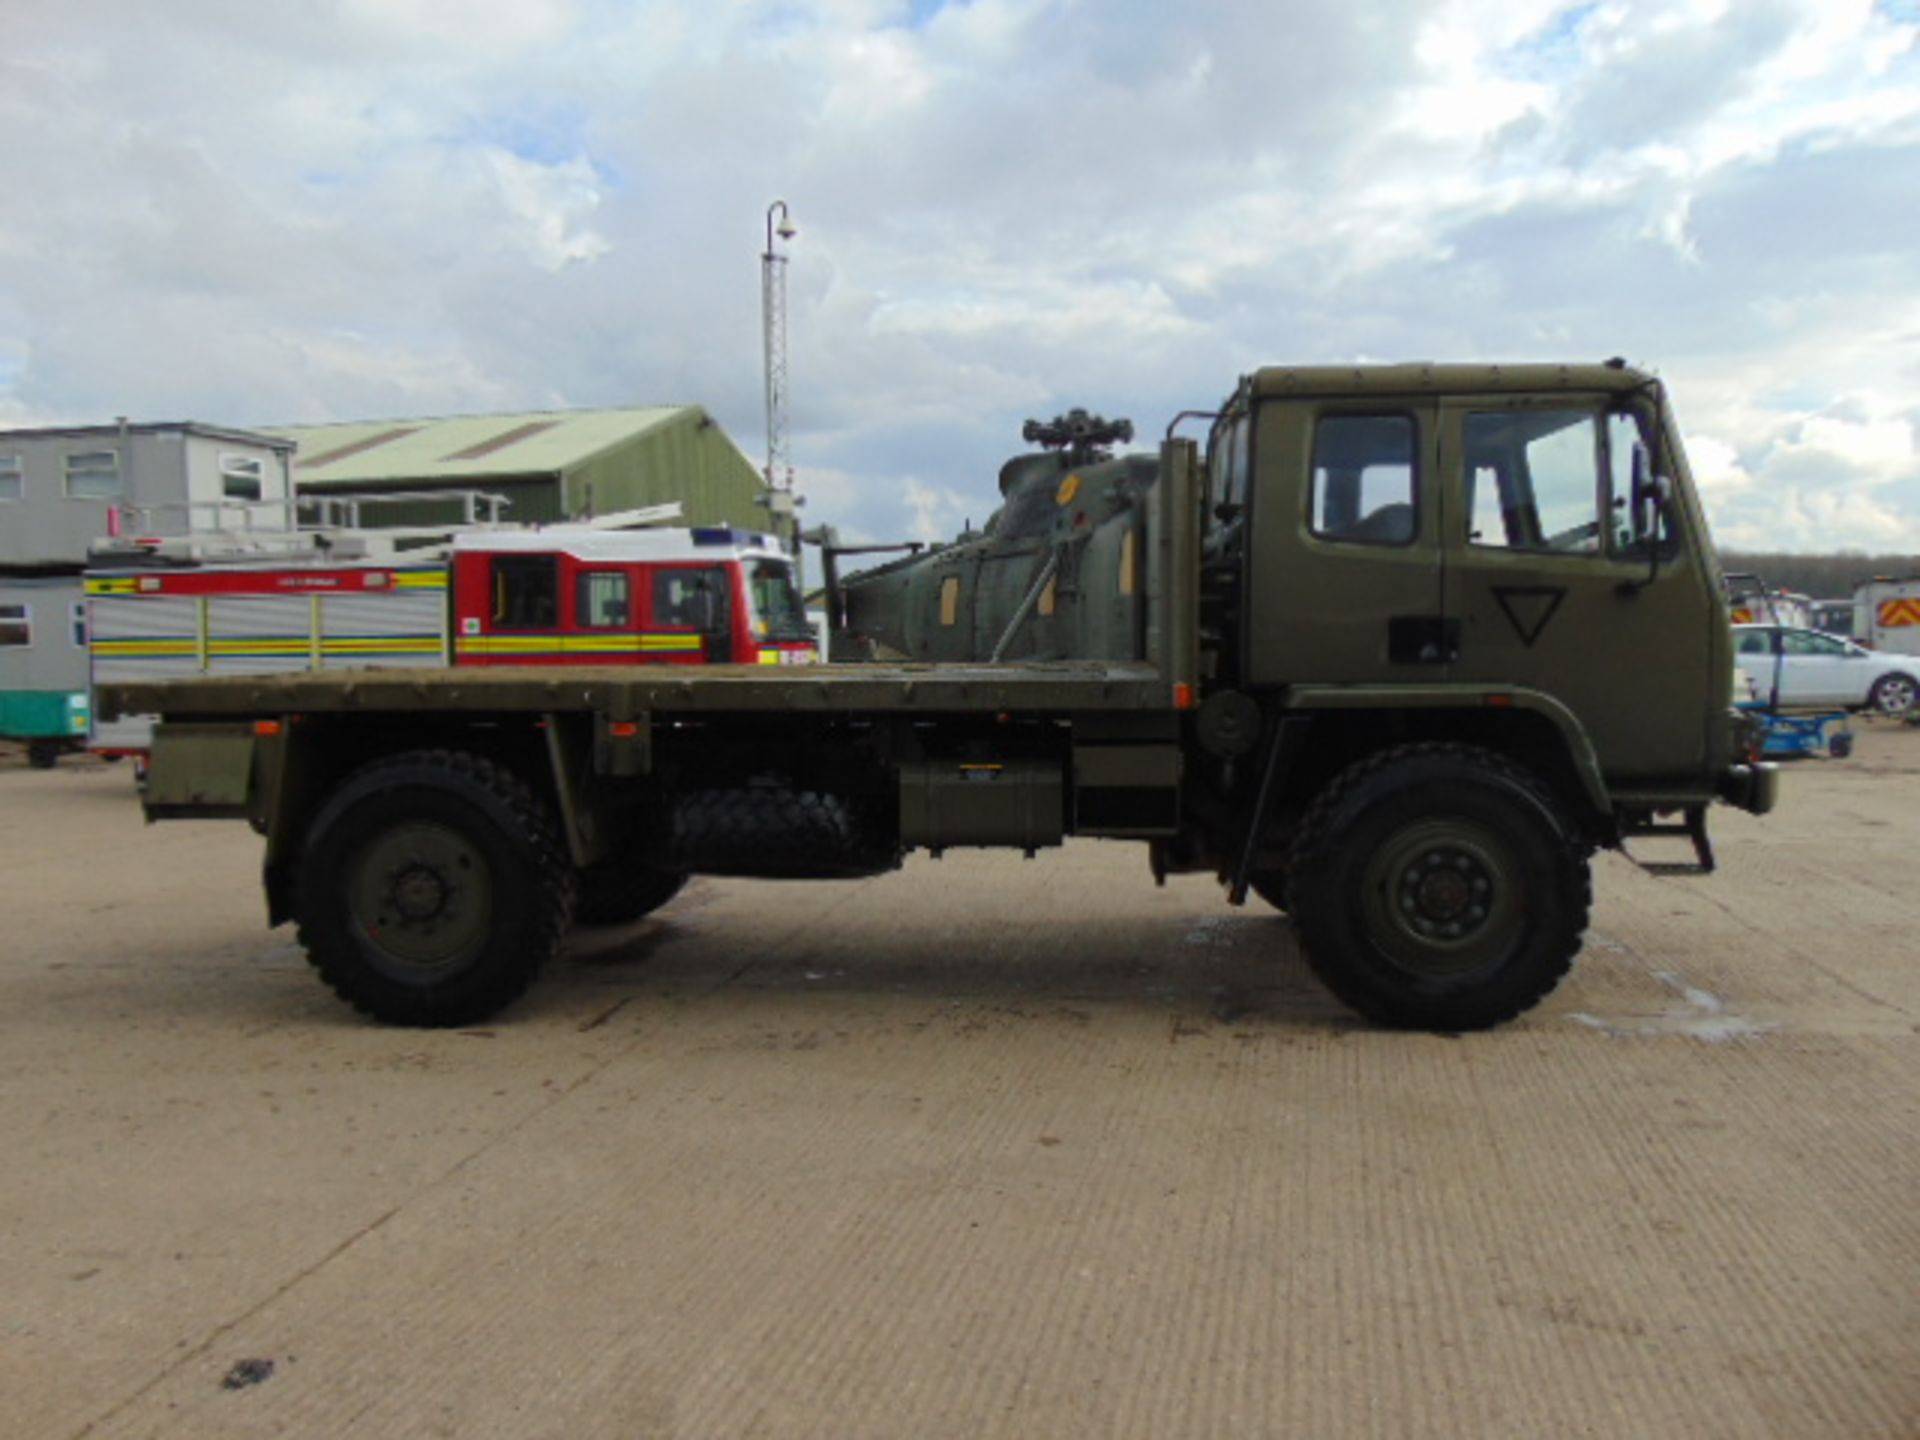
[{"x": 1821, "y": 577}]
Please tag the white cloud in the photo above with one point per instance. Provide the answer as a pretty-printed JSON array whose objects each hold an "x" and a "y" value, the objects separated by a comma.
[
  {"x": 553, "y": 202},
  {"x": 364, "y": 207}
]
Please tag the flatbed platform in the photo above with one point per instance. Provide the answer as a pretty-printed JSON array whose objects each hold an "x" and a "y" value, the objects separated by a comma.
[{"x": 1015, "y": 687}]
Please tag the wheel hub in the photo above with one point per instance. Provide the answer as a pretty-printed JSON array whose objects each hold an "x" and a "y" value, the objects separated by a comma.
[
  {"x": 1446, "y": 893},
  {"x": 420, "y": 893},
  {"x": 422, "y": 896}
]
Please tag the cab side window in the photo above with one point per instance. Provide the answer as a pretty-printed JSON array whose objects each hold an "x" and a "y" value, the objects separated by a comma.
[
  {"x": 689, "y": 599},
  {"x": 1533, "y": 480},
  {"x": 602, "y": 601},
  {"x": 526, "y": 590},
  {"x": 1365, "y": 486},
  {"x": 1754, "y": 642}
]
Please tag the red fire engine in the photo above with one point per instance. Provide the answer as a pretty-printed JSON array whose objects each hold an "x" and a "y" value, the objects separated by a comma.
[{"x": 564, "y": 595}]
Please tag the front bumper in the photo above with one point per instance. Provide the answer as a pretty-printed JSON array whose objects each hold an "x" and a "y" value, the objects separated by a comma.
[{"x": 1753, "y": 787}]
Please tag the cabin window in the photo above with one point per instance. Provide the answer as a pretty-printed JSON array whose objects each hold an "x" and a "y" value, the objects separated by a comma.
[
  {"x": 1129, "y": 561},
  {"x": 94, "y": 475},
  {"x": 77, "y": 619},
  {"x": 1047, "y": 596},
  {"x": 603, "y": 600},
  {"x": 12, "y": 485},
  {"x": 526, "y": 590},
  {"x": 1533, "y": 480},
  {"x": 950, "y": 600},
  {"x": 16, "y": 625},
  {"x": 1364, "y": 488},
  {"x": 689, "y": 599}
]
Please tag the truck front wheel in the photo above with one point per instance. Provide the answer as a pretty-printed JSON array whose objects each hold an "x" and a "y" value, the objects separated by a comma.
[
  {"x": 431, "y": 889},
  {"x": 1439, "y": 887}
]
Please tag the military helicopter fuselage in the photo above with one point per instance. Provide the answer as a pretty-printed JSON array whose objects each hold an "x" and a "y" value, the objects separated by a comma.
[{"x": 1057, "y": 571}]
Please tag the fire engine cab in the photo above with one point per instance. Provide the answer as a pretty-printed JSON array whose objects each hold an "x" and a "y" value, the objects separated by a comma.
[{"x": 680, "y": 597}]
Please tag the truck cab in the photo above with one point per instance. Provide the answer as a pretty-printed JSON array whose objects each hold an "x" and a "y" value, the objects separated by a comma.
[{"x": 1520, "y": 538}]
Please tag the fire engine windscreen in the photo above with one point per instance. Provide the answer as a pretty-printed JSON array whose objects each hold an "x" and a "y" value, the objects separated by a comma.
[{"x": 775, "y": 603}]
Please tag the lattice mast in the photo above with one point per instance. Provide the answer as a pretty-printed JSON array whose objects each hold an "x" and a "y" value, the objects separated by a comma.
[{"x": 773, "y": 327}]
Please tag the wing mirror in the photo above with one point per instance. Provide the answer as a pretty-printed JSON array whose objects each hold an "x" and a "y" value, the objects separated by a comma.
[{"x": 1652, "y": 500}]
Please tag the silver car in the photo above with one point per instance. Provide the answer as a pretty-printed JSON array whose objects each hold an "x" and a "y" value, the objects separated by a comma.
[{"x": 1824, "y": 672}]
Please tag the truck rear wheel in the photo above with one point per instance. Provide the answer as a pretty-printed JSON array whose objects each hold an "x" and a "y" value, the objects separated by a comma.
[
  {"x": 431, "y": 889},
  {"x": 44, "y": 754},
  {"x": 1439, "y": 887},
  {"x": 619, "y": 891}
]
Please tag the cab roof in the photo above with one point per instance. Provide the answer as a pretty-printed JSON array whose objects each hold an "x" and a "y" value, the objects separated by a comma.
[
  {"x": 586, "y": 543},
  {"x": 1450, "y": 379}
]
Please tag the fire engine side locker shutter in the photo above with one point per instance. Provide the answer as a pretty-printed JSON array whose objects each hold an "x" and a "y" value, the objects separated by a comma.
[
  {"x": 259, "y": 634},
  {"x": 383, "y": 629},
  {"x": 132, "y": 637}
]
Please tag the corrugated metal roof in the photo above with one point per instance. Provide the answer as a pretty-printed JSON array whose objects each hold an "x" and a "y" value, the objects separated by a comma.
[{"x": 465, "y": 447}]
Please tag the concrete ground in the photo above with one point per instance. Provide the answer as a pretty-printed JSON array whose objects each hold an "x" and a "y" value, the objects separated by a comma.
[{"x": 984, "y": 1148}]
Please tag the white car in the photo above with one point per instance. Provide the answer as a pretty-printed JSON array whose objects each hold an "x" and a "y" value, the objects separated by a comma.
[{"x": 1819, "y": 671}]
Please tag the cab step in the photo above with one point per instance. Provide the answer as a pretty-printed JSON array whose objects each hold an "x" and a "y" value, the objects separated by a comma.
[{"x": 1646, "y": 824}]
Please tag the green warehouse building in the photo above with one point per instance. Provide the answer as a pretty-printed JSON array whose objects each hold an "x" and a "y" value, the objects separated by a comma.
[{"x": 547, "y": 465}]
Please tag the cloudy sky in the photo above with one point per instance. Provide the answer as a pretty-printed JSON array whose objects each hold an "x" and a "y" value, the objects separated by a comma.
[{"x": 314, "y": 210}]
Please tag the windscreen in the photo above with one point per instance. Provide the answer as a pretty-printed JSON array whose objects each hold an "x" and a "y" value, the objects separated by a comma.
[{"x": 776, "y": 604}]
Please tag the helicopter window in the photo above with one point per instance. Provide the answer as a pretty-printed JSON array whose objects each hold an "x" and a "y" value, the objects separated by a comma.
[
  {"x": 950, "y": 600},
  {"x": 1047, "y": 598},
  {"x": 1129, "y": 561},
  {"x": 1364, "y": 489}
]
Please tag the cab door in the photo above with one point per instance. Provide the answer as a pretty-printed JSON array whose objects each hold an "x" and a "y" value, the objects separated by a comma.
[
  {"x": 1346, "y": 523},
  {"x": 1553, "y": 584},
  {"x": 691, "y": 614}
]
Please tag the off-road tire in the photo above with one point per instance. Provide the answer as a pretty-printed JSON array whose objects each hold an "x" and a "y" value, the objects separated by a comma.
[
  {"x": 620, "y": 891},
  {"x": 459, "y": 832},
  {"x": 1894, "y": 694},
  {"x": 773, "y": 831},
  {"x": 1439, "y": 887}
]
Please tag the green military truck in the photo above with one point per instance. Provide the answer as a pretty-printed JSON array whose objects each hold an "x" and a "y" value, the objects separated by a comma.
[{"x": 1397, "y": 651}]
